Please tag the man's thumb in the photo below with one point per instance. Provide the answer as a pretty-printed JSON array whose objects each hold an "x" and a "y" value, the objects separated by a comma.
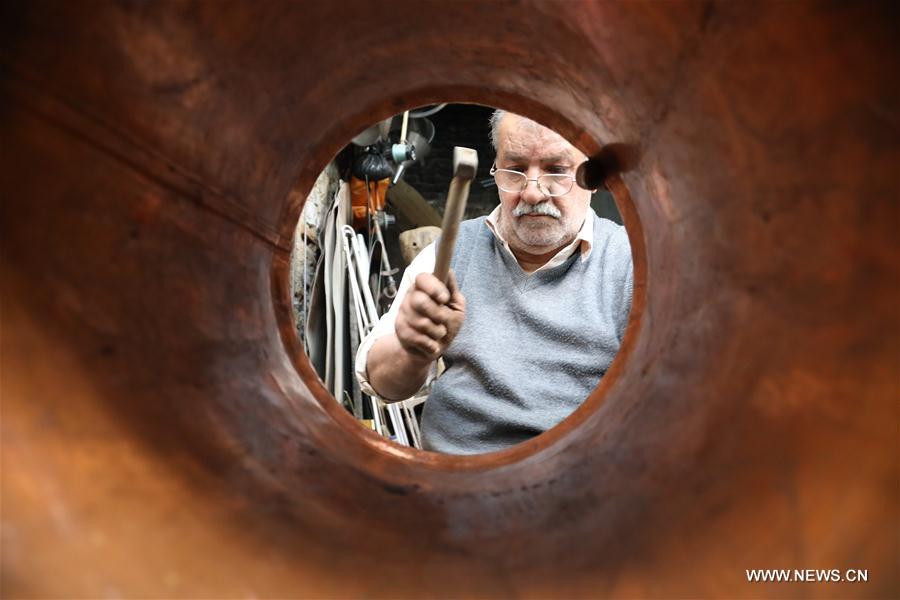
[{"x": 456, "y": 296}]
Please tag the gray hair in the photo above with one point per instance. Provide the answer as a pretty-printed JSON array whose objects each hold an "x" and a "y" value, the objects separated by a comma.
[{"x": 495, "y": 119}]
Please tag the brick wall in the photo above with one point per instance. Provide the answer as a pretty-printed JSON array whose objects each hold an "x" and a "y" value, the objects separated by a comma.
[{"x": 457, "y": 125}]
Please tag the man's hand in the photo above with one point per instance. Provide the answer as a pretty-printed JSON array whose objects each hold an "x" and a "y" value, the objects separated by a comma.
[
  {"x": 428, "y": 319},
  {"x": 430, "y": 316}
]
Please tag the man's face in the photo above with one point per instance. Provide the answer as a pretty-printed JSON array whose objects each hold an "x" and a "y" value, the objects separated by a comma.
[{"x": 528, "y": 147}]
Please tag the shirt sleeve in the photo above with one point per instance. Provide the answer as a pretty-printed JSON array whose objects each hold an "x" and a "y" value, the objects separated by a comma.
[{"x": 423, "y": 263}]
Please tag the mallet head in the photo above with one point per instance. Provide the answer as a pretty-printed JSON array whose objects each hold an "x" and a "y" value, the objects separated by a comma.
[{"x": 465, "y": 162}]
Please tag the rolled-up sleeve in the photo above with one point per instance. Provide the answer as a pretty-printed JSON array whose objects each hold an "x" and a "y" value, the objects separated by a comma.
[{"x": 423, "y": 263}]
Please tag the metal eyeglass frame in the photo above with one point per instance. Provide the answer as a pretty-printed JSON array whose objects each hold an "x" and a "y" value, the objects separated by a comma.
[{"x": 494, "y": 170}]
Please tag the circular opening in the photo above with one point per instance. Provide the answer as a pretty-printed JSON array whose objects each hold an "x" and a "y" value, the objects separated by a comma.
[{"x": 380, "y": 144}]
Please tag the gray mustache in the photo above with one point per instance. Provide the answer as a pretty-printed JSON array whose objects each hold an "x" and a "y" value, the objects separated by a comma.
[{"x": 541, "y": 208}]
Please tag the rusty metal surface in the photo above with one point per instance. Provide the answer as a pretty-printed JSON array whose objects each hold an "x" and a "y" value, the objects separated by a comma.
[{"x": 163, "y": 435}]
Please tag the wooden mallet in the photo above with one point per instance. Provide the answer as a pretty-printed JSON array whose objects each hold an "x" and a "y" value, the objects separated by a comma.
[{"x": 465, "y": 163}]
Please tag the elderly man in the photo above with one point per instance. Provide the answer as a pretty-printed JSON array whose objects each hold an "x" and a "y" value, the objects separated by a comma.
[{"x": 533, "y": 313}]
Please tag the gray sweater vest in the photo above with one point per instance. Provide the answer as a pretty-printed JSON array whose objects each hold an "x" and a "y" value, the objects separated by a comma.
[{"x": 532, "y": 347}]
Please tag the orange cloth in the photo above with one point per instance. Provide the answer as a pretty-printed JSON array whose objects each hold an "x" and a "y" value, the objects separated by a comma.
[{"x": 359, "y": 198}]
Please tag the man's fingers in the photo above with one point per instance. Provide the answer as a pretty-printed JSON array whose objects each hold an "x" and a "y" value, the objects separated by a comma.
[
  {"x": 433, "y": 330},
  {"x": 426, "y": 345},
  {"x": 421, "y": 302},
  {"x": 429, "y": 313},
  {"x": 433, "y": 287},
  {"x": 419, "y": 343},
  {"x": 424, "y": 305}
]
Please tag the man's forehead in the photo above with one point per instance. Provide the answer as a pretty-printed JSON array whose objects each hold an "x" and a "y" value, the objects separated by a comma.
[
  {"x": 545, "y": 157},
  {"x": 523, "y": 138}
]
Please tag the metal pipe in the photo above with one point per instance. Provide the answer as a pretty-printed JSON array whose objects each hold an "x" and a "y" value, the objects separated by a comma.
[{"x": 165, "y": 435}]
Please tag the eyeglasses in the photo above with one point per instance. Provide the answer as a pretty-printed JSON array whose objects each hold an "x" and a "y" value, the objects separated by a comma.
[{"x": 549, "y": 184}]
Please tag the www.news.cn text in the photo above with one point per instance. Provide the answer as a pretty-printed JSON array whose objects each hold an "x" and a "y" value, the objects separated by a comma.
[{"x": 807, "y": 575}]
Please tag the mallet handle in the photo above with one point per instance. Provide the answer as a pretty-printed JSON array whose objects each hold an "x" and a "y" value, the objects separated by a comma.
[
  {"x": 456, "y": 206},
  {"x": 465, "y": 164}
]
